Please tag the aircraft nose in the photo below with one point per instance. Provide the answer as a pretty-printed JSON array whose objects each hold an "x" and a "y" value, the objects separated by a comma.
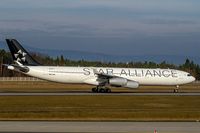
[{"x": 193, "y": 79}]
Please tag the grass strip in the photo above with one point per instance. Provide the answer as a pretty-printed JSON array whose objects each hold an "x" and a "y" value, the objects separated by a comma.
[{"x": 133, "y": 108}]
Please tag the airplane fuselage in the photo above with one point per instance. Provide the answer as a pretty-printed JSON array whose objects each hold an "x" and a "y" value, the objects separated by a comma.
[{"x": 86, "y": 75}]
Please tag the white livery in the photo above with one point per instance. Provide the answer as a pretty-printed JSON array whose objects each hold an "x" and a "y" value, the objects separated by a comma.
[{"x": 97, "y": 76}]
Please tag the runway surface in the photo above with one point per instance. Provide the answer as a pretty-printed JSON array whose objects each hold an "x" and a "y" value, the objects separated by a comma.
[
  {"x": 132, "y": 127},
  {"x": 93, "y": 94}
]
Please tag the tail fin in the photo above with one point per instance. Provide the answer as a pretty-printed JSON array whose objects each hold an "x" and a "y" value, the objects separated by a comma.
[{"x": 19, "y": 54}]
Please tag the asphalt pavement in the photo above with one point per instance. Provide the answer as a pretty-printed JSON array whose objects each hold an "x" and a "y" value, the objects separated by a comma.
[
  {"x": 93, "y": 94},
  {"x": 132, "y": 127}
]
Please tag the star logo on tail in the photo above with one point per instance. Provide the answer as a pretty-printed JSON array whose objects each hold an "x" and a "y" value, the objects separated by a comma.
[{"x": 20, "y": 56}]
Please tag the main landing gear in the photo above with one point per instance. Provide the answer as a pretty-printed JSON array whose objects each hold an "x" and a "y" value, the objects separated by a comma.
[
  {"x": 176, "y": 90},
  {"x": 101, "y": 90}
]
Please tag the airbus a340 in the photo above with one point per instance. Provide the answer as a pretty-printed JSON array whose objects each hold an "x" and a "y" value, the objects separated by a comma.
[{"x": 97, "y": 76}]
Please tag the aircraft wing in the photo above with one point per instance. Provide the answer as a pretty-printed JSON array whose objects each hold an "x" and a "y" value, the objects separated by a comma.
[
  {"x": 116, "y": 81},
  {"x": 103, "y": 75},
  {"x": 103, "y": 78}
]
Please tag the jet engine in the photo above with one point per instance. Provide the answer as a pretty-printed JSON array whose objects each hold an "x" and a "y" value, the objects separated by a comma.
[{"x": 122, "y": 82}]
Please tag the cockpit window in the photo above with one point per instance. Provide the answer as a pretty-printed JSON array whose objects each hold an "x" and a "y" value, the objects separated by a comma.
[{"x": 189, "y": 75}]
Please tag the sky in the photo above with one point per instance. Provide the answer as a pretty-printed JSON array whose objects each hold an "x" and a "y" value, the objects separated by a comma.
[{"x": 118, "y": 27}]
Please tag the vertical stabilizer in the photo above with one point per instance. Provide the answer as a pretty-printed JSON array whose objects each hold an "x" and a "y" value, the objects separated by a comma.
[{"x": 19, "y": 54}]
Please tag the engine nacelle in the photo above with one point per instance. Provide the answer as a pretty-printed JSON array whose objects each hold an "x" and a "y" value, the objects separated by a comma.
[
  {"x": 122, "y": 82},
  {"x": 132, "y": 84},
  {"x": 118, "y": 82}
]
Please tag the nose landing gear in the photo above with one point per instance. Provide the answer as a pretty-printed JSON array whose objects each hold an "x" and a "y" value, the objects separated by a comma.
[
  {"x": 101, "y": 90},
  {"x": 176, "y": 90}
]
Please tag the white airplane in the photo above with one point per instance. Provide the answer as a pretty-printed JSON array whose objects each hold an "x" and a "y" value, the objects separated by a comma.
[{"x": 97, "y": 76}]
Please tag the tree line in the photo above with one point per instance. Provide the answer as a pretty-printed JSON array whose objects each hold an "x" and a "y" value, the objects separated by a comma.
[{"x": 5, "y": 58}]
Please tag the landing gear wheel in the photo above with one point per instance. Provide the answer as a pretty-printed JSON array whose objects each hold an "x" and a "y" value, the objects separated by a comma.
[
  {"x": 95, "y": 90},
  {"x": 177, "y": 89},
  {"x": 108, "y": 90},
  {"x": 102, "y": 90}
]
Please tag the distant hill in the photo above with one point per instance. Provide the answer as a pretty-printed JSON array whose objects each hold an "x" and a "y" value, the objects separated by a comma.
[{"x": 78, "y": 55}]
